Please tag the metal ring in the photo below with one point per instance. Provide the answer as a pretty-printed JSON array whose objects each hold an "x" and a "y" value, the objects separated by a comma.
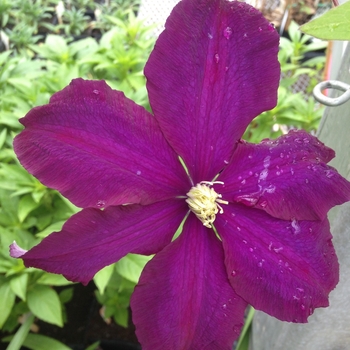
[{"x": 332, "y": 101}]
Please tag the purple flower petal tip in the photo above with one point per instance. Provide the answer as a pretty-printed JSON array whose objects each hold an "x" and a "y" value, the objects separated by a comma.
[{"x": 16, "y": 251}]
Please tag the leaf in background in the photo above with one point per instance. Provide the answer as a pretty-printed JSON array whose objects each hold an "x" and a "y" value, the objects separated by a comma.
[
  {"x": 52, "y": 279},
  {"x": 55, "y": 227},
  {"x": 7, "y": 298},
  {"x": 131, "y": 266},
  {"x": 25, "y": 205},
  {"x": 18, "y": 339},
  {"x": 19, "y": 285},
  {"x": 102, "y": 278},
  {"x": 42, "y": 342},
  {"x": 44, "y": 303},
  {"x": 3, "y": 135},
  {"x": 333, "y": 25}
]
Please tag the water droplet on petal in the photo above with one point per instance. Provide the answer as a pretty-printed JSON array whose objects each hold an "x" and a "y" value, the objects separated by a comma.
[
  {"x": 302, "y": 306},
  {"x": 295, "y": 226},
  {"x": 263, "y": 204},
  {"x": 233, "y": 273},
  {"x": 277, "y": 250},
  {"x": 217, "y": 58},
  {"x": 260, "y": 29},
  {"x": 267, "y": 161},
  {"x": 260, "y": 264},
  {"x": 227, "y": 32},
  {"x": 210, "y": 36},
  {"x": 271, "y": 27},
  {"x": 330, "y": 173},
  {"x": 226, "y": 161},
  {"x": 96, "y": 92},
  {"x": 301, "y": 290},
  {"x": 138, "y": 172},
  {"x": 281, "y": 155},
  {"x": 224, "y": 306},
  {"x": 100, "y": 203}
]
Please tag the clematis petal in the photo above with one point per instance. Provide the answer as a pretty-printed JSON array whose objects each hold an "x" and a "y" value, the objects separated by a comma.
[
  {"x": 93, "y": 239},
  {"x": 287, "y": 177},
  {"x": 284, "y": 268},
  {"x": 210, "y": 73},
  {"x": 99, "y": 148},
  {"x": 183, "y": 299}
]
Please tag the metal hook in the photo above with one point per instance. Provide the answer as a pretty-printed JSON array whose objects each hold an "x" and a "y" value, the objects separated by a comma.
[{"x": 332, "y": 101}]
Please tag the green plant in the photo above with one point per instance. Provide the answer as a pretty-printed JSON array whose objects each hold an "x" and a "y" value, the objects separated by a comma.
[
  {"x": 21, "y": 36},
  {"x": 293, "y": 110},
  {"x": 30, "y": 211},
  {"x": 32, "y": 13},
  {"x": 5, "y": 6},
  {"x": 74, "y": 21}
]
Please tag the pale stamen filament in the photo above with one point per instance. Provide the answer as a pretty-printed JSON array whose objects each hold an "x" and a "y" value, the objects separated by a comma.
[{"x": 203, "y": 201}]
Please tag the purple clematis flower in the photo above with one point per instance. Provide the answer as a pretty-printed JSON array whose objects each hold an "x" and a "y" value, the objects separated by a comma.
[{"x": 255, "y": 215}]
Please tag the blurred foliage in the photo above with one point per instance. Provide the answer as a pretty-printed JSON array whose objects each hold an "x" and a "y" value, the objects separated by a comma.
[
  {"x": 37, "y": 65},
  {"x": 294, "y": 109},
  {"x": 30, "y": 73}
]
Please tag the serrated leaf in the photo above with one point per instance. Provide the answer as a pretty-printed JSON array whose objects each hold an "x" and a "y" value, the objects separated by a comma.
[
  {"x": 7, "y": 298},
  {"x": 131, "y": 266},
  {"x": 333, "y": 25},
  {"x": 19, "y": 285},
  {"x": 102, "y": 278},
  {"x": 44, "y": 303},
  {"x": 42, "y": 342}
]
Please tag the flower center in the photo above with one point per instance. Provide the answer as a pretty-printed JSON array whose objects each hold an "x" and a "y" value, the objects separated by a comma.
[{"x": 204, "y": 202}]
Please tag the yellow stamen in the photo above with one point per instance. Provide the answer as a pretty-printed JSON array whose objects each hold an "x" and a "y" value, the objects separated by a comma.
[{"x": 204, "y": 202}]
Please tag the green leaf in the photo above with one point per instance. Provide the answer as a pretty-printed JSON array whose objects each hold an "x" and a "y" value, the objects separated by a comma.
[
  {"x": 44, "y": 303},
  {"x": 51, "y": 279},
  {"x": 93, "y": 346},
  {"x": 66, "y": 295},
  {"x": 131, "y": 266},
  {"x": 55, "y": 227},
  {"x": 7, "y": 298},
  {"x": 102, "y": 278},
  {"x": 19, "y": 285},
  {"x": 20, "y": 336},
  {"x": 333, "y": 25},
  {"x": 42, "y": 342},
  {"x": 25, "y": 205},
  {"x": 3, "y": 135}
]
